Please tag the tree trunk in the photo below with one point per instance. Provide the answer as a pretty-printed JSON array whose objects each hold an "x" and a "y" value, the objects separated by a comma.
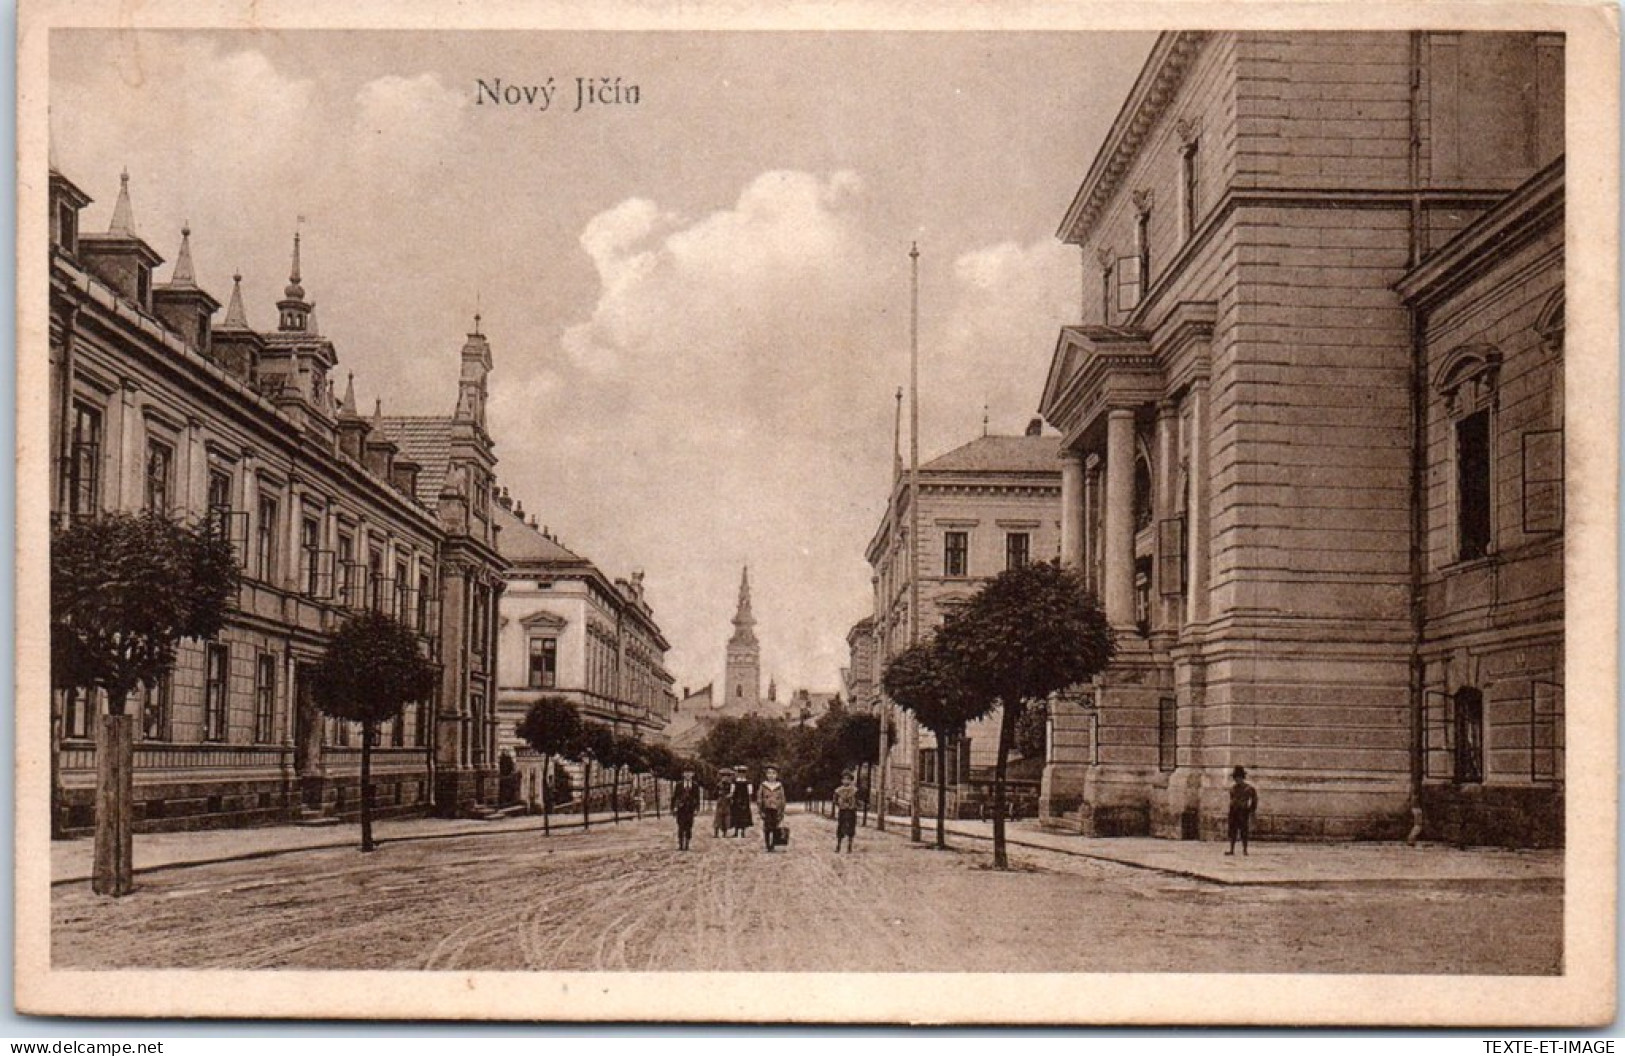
[
  {"x": 942, "y": 793},
  {"x": 367, "y": 729},
  {"x": 869, "y": 793},
  {"x": 114, "y": 872},
  {"x": 615, "y": 795},
  {"x": 1007, "y": 734},
  {"x": 657, "y": 796},
  {"x": 547, "y": 795},
  {"x": 586, "y": 794}
]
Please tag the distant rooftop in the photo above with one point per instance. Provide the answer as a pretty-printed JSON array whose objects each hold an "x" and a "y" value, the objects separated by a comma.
[{"x": 1001, "y": 454}]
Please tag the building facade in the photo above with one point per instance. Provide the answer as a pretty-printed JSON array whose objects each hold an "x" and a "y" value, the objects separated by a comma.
[
  {"x": 568, "y": 630},
  {"x": 1304, "y": 517},
  {"x": 986, "y": 506},
  {"x": 155, "y": 408}
]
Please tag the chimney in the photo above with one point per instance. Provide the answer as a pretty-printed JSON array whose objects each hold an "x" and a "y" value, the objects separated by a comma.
[{"x": 1035, "y": 427}]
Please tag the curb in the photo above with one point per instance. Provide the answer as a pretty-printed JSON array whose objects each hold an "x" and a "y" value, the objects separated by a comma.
[{"x": 352, "y": 842}]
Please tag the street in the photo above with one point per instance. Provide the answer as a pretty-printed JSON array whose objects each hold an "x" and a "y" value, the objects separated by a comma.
[{"x": 622, "y": 898}]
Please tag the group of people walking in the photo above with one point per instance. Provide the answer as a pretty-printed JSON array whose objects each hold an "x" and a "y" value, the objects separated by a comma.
[{"x": 735, "y": 798}]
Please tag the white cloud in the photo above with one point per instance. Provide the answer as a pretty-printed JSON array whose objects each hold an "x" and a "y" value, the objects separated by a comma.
[
  {"x": 733, "y": 384},
  {"x": 402, "y": 125}
]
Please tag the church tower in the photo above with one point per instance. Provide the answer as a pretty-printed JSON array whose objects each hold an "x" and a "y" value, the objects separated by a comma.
[{"x": 742, "y": 684}]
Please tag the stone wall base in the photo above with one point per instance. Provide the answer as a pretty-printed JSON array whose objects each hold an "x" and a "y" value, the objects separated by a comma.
[{"x": 1493, "y": 815}]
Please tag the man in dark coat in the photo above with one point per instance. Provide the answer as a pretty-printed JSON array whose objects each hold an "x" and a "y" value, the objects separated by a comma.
[{"x": 685, "y": 803}]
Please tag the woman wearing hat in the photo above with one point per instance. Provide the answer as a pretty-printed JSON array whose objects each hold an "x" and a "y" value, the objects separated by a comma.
[
  {"x": 739, "y": 817},
  {"x": 725, "y": 790},
  {"x": 1243, "y": 802}
]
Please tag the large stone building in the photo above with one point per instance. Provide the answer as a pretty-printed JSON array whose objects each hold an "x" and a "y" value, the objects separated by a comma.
[
  {"x": 1312, "y": 425},
  {"x": 985, "y": 506},
  {"x": 155, "y": 408},
  {"x": 569, "y": 630}
]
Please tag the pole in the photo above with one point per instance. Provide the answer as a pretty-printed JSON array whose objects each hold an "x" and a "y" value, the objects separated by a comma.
[{"x": 914, "y": 508}]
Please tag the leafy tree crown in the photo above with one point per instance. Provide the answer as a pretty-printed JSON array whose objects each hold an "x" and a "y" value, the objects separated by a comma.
[{"x": 372, "y": 670}]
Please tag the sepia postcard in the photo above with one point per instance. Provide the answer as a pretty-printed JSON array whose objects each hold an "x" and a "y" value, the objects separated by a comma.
[{"x": 1035, "y": 513}]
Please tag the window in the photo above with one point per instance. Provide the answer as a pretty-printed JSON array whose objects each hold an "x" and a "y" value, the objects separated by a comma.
[
  {"x": 160, "y": 475},
  {"x": 143, "y": 287},
  {"x": 84, "y": 461},
  {"x": 544, "y": 663},
  {"x": 955, "y": 553},
  {"x": 78, "y": 708},
  {"x": 1473, "y": 485},
  {"x": 310, "y": 554},
  {"x": 480, "y": 621},
  {"x": 403, "y": 592},
  {"x": 347, "y": 569},
  {"x": 1142, "y": 245},
  {"x": 215, "y": 667},
  {"x": 376, "y": 584},
  {"x": 1167, "y": 733},
  {"x": 423, "y": 603},
  {"x": 265, "y": 539},
  {"x": 1142, "y": 594},
  {"x": 1187, "y": 173},
  {"x": 265, "y": 700},
  {"x": 219, "y": 498},
  {"x": 1016, "y": 549},
  {"x": 1108, "y": 278},
  {"x": 67, "y": 227},
  {"x": 155, "y": 711},
  {"x": 397, "y": 730},
  {"x": 1469, "y": 730},
  {"x": 1142, "y": 495}
]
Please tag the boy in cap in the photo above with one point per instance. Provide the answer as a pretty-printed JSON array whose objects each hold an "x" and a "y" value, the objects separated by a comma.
[
  {"x": 846, "y": 811},
  {"x": 1243, "y": 802},
  {"x": 770, "y": 798}
]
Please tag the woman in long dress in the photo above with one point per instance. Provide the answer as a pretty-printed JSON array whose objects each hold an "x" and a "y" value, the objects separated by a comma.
[
  {"x": 741, "y": 819},
  {"x": 724, "y": 807}
]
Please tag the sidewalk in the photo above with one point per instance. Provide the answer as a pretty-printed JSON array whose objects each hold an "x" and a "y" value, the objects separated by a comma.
[
  {"x": 1283, "y": 863},
  {"x": 72, "y": 860}
]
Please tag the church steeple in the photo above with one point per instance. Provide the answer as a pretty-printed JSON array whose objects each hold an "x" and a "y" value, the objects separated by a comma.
[
  {"x": 742, "y": 681},
  {"x": 293, "y": 308}
]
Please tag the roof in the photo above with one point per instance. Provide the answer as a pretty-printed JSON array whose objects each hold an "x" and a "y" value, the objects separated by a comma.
[
  {"x": 1001, "y": 454},
  {"x": 426, "y": 440},
  {"x": 524, "y": 545}
]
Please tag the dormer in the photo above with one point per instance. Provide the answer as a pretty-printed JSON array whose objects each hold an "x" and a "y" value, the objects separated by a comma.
[
  {"x": 66, "y": 201},
  {"x": 119, "y": 257},
  {"x": 181, "y": 304},
  {"x": 379, "y": 451},
  {"x": 236, "y": 346}
]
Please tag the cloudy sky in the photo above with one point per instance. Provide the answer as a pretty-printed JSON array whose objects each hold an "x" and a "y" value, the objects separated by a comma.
[{"x": 698, "y": 303}]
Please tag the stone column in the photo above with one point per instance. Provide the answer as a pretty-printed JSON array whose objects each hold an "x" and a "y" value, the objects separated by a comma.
[
  {"x": 1196, "y": 509},
  {"x": 1072, "y": 511},
  {"x": 1119, "y": 556},
  {"x": 1166, "y": 503},
  {"x": 1091, "y": 523}
]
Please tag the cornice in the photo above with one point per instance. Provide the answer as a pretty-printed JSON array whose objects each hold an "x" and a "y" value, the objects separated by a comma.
[{"x": 1159, "y": 81}]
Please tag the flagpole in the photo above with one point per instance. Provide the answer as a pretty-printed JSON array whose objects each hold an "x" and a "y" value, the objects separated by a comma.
[{"x": 914, "y": 513}]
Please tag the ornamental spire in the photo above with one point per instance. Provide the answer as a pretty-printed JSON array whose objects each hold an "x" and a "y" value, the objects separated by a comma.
[
  {"x": 236, "y": 317},
  {"x": 183, "y": 274},
  {"x": 123, "y": 216}
]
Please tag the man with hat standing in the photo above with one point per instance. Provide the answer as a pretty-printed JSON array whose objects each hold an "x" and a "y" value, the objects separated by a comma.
[
  {"x": 1243, "y": 802},
  {"x": 685, "y": 803}
]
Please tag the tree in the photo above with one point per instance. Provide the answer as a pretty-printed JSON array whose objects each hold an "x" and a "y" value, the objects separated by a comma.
[
  {"x": 922, "y": 679},
  {"x": 1032, "y": 730},
  {"x": 745, "y": 741},
  {"x": 664, "y": 765},
  {"x": 597, "y": 743},
  {"x": 125, "y": 590},
  {"x": 1028, "y": 633},
  {"x": 372, "y": 669},
  {"x": 552, "y": 727},
  {"x": 625, "y": 751}
]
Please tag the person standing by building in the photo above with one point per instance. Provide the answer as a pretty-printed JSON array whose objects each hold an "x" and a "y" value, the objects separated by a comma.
[
  {"x": 723, "y": 812},
  {"x": 739, "y": 812},
  {"x": 1243, "y": 804},
  {"x": 846, "y": 811},
  {"x": 685, "y": 803},
  {"x": 770, "y": 798}
]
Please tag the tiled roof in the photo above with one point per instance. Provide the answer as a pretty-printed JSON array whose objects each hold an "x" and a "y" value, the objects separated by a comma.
[
  {"x": 426, "y": 440},
  {"x": 524, "y": 545},
  {"x": 1002, "y": 454}
]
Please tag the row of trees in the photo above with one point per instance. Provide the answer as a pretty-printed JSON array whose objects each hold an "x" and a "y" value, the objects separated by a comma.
[
  {"x": 811, "y": 758},
  {"x": 1030, "y": 633},
  {"x": 126, "y": 589},
  {"x": 555, "y": 729}
]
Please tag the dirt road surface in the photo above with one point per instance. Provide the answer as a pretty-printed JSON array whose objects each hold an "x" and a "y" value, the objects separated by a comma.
[{"x": 623, "y": 898}]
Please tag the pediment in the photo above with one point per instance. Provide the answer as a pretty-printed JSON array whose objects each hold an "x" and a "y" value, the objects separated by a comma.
[{"x": 542, "y": 620}]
